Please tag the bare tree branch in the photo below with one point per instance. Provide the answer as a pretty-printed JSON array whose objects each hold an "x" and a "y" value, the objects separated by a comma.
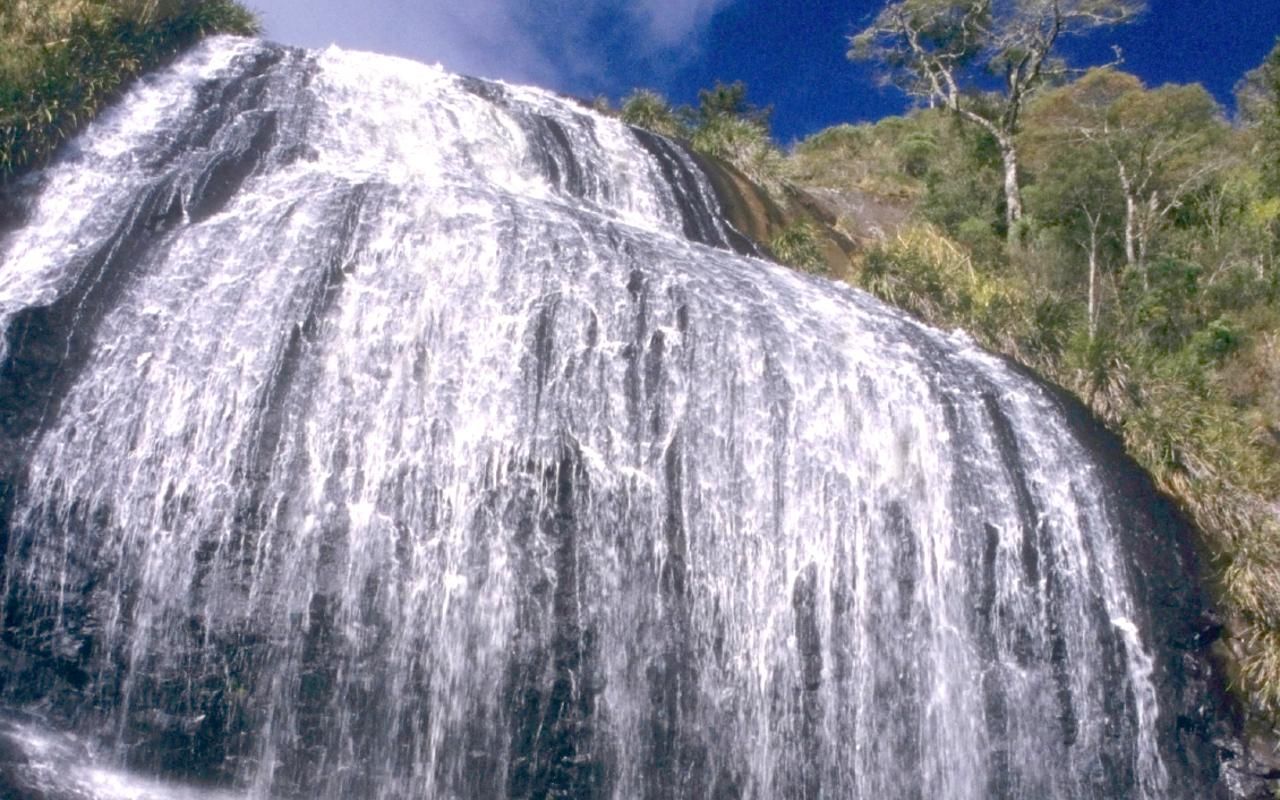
[{"x": 940, "y": 51}]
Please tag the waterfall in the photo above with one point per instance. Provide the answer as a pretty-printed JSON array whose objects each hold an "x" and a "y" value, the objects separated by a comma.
[{"x": 373, "y": 432}]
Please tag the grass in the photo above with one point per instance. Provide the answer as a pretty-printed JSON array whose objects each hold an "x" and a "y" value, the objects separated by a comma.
[
  {"x": 861, "y": 156},
  {"x": 61, "y": 61}
]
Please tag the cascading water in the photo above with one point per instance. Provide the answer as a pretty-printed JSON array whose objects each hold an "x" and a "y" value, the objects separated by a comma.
[{"x": 372, "y": 432}]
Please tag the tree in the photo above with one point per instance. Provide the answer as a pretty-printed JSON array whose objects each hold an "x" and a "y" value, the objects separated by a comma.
[
  {"x": 1076, "y": 194},
  {"x": 730, "y": 100},
  {"x": 1163, "y": 144},
  {"x": 1258, "y": 101},
  {"x": 943, "y": 52}
]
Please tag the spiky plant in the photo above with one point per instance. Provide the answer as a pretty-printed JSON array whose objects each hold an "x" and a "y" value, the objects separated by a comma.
[
  {"x": 744, "y": 143},
  {"x": 647, "y": 109}
]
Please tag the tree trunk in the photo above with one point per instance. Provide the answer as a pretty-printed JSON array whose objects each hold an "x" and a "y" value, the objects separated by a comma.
[
  {"x": 1135, "y": 238},
  {"x": 1130, "y": 230},
  {"x": 1093, "y": 275},
  {"x": 1008, "y": 154},
  {"x": 1130, "y": 215},
  {"x": 1012, "y": 192},
  {"x": 1151, "y": 216}
]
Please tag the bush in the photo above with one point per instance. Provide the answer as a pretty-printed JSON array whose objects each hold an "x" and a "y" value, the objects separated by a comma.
[
  {"x": 916, "y": 153},
  {"x": 798, "y": 246},
  {"x": 865, "y": 157},
  {"x": 1164, "y": 302},
  {"x": 745, "y": 144},
  {"x": 1098, "y": 370},
  {"x": 1217, "y": 340},
  {"x": 651, "y": 111},
  {"x": 982, "y": 240},
  {"x": 724, "y": 126}
]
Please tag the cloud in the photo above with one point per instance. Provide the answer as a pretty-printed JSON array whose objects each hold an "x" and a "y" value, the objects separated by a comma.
[
  {"x": 479, "y": 37},
  {"x": 582, "y": 46},
  {"x": 670, "y": 22},
  {"x": 609, "y": 46}
]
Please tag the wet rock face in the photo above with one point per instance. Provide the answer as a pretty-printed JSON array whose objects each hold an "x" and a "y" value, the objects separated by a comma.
[
  {"x": 1251, "y": 758},
  {"x": 374, "y": 432},
  {"x": 759, "y": 218}
]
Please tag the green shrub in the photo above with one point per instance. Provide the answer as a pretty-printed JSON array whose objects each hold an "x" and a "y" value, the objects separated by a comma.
[
  {"x": 1098, "y": 370},
  {"x": 925, "y": 273},
  {"x": 725, "y": 126},
  {"x": 837, "y": 141},
  {"x": 1052, "y": 325},
  {"x": 745, "y": 144},
  {"x": 1217, "y": 340},
  {"x": 797, "y": 245},
  {"x": 1164, "y": 302},
  {"x": 649, "y": 110},
  {"x": 916, "y": 153},
  {"x": 866, "y": 157},
  {"x": 982, "y": 240}
]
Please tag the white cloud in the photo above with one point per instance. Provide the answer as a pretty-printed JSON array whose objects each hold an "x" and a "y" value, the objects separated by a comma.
[
  {"x": 672, "y": 21},
  {"x": 573, "y": 45}
]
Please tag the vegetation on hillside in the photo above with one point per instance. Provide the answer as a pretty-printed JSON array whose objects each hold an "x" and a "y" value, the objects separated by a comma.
[
  {"x": 61, "y": 60},
  {"x": 727, "y": 127}
]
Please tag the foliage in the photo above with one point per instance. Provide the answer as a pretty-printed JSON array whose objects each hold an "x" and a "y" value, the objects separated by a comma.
[
  {"x": 729, "y": 100},
  {"x": 1258, "y": 92},
  {"x": 728, "y": 127},
  {"x": 962, "y": 180},
  {"x": 949, "y": 172},
  {"x": 745, "y": 144},
  {"x": 61, "y": 60},
  {"x": 1163, "y": 145},
  {"x": 925, "y": 273},
  {"x": 1098, "y": 369},
  {"x": 856, "y": 156},
  {"x": 798, "y": 245},
  {"x": 647, "y": 109},
  {"x": 1258, "y": 100}
]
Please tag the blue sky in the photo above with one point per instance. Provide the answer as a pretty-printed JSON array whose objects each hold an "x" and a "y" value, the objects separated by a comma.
[{"x": 789, "y": 53}]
